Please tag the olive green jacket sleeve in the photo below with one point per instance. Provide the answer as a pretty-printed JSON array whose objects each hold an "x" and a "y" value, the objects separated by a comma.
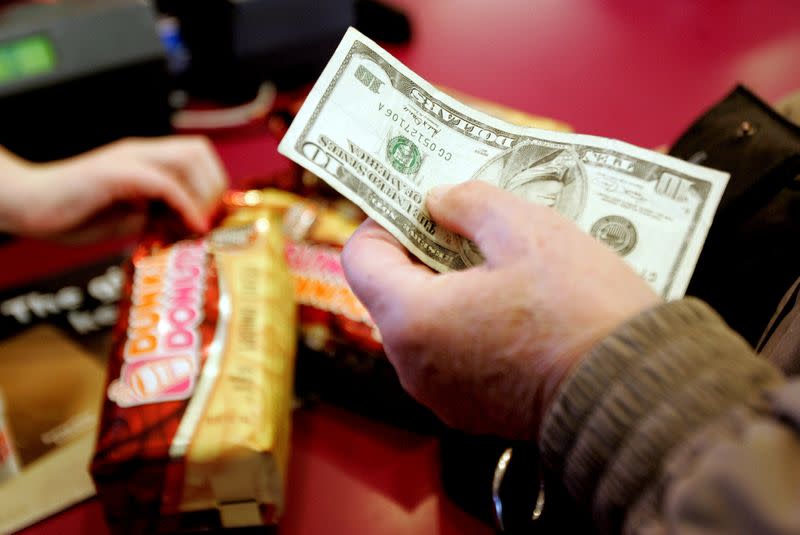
[{"x": 674, "y": 425}]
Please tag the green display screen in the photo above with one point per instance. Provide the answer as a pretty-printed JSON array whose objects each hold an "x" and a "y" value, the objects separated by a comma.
[{"x": 26, "y": 57}]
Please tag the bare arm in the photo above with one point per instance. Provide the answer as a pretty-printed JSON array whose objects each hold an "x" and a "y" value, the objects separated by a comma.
[{"x": 53, "y": 198}]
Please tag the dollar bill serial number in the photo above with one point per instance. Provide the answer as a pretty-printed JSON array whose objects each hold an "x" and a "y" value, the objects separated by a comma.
[{"x": 413, "y": 127}]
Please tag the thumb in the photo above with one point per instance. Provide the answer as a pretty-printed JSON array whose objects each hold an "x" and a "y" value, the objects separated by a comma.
[{"x": 497, "y": 221}]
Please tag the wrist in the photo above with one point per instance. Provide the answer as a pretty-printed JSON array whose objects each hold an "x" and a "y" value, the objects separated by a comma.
[
  {"x": 549, "y": 388},
  {"x": 570, "y": 357}
]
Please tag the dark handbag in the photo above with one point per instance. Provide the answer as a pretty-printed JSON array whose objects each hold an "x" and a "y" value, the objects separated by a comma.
[{"x": 751, "y": 254}]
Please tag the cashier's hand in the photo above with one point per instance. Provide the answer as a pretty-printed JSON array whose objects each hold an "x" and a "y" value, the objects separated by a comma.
[
  {"x": 486, "y": 348},
  {"x": 63, "y": 197}
]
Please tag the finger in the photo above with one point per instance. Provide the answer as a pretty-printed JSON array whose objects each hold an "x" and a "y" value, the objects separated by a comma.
[
  {"x": 193, "y": 162},
  {"x": 494, "y": 219},
  {"x": 209, "y": 176},
  {"x": 151, "y": 181},
  {"x": 380, "y": 271}
]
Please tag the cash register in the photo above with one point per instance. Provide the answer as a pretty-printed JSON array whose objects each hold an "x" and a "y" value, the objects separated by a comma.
[{"x": 75, "y": 74}]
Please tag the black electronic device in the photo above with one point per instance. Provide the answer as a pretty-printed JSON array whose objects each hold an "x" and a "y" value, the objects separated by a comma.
[
  {"x": 75, "y": 74},
  {"x": 235, "y": 45}
]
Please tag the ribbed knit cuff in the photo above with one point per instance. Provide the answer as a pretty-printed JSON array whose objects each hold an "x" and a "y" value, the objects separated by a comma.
[{"x": 640, "y": 392}]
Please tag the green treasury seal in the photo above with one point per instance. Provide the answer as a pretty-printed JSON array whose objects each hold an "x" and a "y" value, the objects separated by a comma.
[{"x": 403, "y": 155}]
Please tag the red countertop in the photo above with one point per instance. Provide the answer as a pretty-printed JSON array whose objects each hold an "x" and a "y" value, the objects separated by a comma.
[{"x": 638, "y": 71}]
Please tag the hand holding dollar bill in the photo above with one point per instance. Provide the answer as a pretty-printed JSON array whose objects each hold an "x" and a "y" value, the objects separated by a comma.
[{"x": 383, "y": 137}]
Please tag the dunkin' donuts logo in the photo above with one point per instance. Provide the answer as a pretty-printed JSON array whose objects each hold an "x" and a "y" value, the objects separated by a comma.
[{"x": 162, "y": 351}]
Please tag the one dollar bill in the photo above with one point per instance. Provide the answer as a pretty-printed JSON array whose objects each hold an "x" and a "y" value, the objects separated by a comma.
[{"x": 383, "y": 137}]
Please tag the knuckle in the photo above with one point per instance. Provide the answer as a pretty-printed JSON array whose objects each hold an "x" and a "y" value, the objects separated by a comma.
[
  {"x": 414, "y": 369},
  {"x": 125, "y": 141},
  {"x": 30, "y": 220},
  {"x": 195, "y": 152},
  {"x": 126, "y": 145},
  {"x": 188, "y": 147},
  {"x": 405, "y": 333},
  {"x": 197, "y": 138},
  {"x": 201, "y": 144}
]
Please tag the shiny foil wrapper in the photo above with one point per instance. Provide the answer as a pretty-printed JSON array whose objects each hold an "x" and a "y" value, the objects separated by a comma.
[
  {"x": 194, "y": 432},
  {"x": 331, "y": 318},
  {"x": 340, "y": 354}
]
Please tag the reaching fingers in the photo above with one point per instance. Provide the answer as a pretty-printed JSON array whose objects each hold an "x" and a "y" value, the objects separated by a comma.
[
  {"x": 193, "y": 163},
  {"x": 143, "y": 179}
]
